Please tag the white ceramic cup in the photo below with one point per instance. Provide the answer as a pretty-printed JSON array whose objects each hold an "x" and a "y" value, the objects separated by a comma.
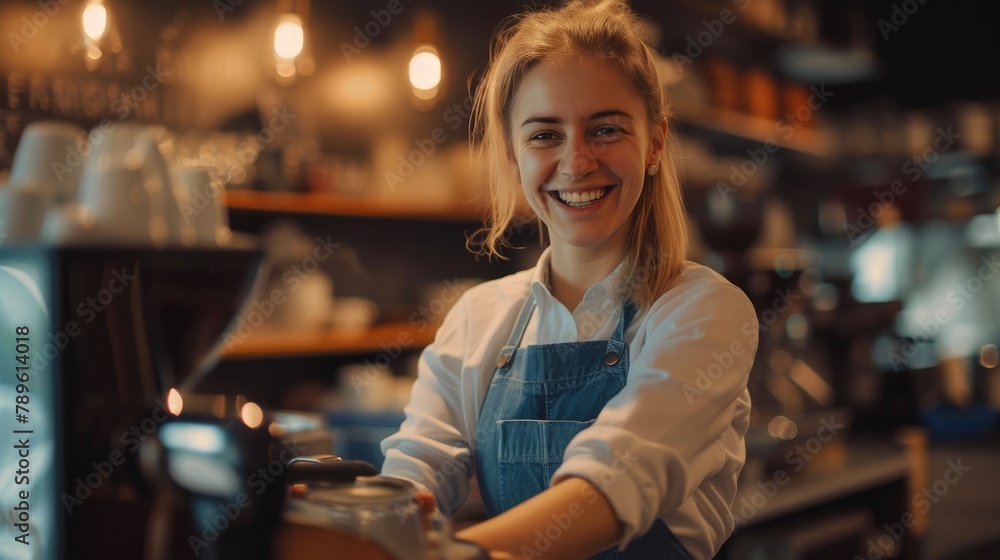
[
  {"x": 70, "y": 224},
  {"x": 120, "y": 142},
  {"x": 22, "y": 210},
  {"x": 153, "y": 142},
  {"x": 203, "y": 207},
  {"x": 49, "y": 156},
  {"x": 126, "y": 203}
]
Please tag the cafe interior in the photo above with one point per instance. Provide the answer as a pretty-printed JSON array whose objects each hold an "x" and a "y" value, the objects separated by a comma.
[{"x": 213, "y": 368}]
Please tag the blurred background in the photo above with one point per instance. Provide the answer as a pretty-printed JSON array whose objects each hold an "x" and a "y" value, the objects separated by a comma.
[{"x": 840, "y": 162}]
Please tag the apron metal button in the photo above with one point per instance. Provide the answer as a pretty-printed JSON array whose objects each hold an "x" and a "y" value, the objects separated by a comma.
[
  {"x": 611, "y": 358},
  {"x": 503, "y": 359}
]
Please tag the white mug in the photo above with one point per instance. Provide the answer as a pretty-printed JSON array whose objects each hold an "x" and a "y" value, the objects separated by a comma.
[
  {"x": 154, "y": 142},
  {"x": 22, "y": 210},
  {"x": 204, "y": 207},
  {"x": 70, "y": 224},
  {"x": 127, "y": 204},
  {"x": 49, "y": 155},
  {"x": 125, "y": 139}
]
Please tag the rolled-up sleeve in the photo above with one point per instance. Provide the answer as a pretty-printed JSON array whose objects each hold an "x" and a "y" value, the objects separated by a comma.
[
  {"x": 672, "y": 426},
  {"x": 431, "y": 446}
]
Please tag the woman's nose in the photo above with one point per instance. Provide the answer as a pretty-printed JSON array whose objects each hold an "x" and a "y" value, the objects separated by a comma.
[{"x": 578, "y": 159}]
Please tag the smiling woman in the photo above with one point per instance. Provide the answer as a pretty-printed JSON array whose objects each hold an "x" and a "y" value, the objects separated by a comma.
[
  {"x": 567, "y": 397},
  {"x": 581, "y": 156}
]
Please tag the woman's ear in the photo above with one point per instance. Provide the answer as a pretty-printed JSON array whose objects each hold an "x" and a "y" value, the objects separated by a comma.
[{"x": 658, "y": 139}]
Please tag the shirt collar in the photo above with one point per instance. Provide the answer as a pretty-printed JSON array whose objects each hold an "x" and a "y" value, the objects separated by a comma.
[{"x": 612, "y": 287}]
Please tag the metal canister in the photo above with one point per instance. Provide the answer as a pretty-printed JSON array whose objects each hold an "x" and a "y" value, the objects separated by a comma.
[{"x": 384, "y": 511}]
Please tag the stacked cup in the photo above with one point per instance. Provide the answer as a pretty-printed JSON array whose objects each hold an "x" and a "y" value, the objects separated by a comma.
[
  {"x": 123, "y": 190},
  {"x": 40, "y": 177}
]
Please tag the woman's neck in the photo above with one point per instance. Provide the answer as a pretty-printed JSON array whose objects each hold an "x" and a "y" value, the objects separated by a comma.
[{"x": 573, "y": 270}]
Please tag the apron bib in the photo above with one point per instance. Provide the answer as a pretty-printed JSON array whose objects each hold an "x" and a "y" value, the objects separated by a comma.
[{"x": 540, "y": 397}]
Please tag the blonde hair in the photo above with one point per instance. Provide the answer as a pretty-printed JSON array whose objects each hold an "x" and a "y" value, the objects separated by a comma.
[{"x": 610, "y": 32}]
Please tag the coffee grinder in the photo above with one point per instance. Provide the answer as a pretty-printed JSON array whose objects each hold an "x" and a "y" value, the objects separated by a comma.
[{"x": 98, "y": 346}]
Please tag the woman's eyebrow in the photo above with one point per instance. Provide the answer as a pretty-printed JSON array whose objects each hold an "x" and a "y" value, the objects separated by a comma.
[
  {"x": 595, "y": 116},
  {"x": 610, "y": 113},
  {"x": 545, "y": 120}
]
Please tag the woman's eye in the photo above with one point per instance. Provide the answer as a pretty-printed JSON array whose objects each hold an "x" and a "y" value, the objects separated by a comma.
[
  {"x": 543, "y": 136},
  {"x": 606, "y": 131}
]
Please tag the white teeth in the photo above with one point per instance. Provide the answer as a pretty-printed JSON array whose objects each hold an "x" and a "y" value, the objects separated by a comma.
[{"x": 581, "y": 199}]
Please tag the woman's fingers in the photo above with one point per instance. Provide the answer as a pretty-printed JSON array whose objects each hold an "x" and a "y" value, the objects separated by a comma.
[
  {"x": 427, "y": 505},
  {"x": 426, "y": 501}
]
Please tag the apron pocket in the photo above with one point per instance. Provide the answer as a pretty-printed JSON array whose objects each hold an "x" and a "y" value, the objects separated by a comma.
[{"x": 529, "y": 452}]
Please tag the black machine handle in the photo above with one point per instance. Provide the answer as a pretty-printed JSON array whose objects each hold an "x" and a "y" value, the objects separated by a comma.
[{"x": 326, "y": 468}]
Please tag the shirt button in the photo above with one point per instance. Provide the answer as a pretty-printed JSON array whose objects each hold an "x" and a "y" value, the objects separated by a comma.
[{"x": 611, "y": 358}]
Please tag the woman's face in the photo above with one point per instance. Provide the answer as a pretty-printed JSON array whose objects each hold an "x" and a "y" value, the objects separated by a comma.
[{"x": 582, "y": 143}]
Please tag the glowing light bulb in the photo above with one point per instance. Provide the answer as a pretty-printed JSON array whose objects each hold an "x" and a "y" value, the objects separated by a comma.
[
  {"x": 425, "y": 69},
  {"x": 95, "y": 20},
  {"x": 289, "y": 37},
  {"x": 175, "y": 403},
  {"x": 252, "y": 415}
]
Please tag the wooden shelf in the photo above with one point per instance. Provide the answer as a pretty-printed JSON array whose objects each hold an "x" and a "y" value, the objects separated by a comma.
[
  {"x": 341, "y": 205},
  {"x": 757, "y": 130},
  {"x": 333, "y": 342},
  {"x": 693, "y": 13},
  {"x": 864, "y": 468}
]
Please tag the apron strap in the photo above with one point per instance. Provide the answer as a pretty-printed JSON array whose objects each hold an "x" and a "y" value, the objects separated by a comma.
[
  {"x": 507, "y": 352},
  {"x": 616, "y": 344}
]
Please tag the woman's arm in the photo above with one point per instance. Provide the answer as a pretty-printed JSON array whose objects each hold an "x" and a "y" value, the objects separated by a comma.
[
  {"x": 431, "y": 446},
  {"x": 571, "y": 519}
]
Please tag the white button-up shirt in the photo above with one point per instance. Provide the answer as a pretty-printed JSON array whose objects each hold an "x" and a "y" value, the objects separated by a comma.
[{"x": 669, "y": 445}]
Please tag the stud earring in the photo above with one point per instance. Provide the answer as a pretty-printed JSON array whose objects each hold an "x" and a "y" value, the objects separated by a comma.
[{"x": 652, "y": 170}]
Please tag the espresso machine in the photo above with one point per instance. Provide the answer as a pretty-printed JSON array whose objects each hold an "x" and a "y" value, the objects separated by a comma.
[
  {"x": 105, "y": 340},
  {"x": 108, "y": 452},
  {"x": 791, "y": 392}
]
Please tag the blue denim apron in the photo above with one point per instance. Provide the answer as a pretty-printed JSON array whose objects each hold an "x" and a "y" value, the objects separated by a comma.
[{"x": 539, "y": 398}]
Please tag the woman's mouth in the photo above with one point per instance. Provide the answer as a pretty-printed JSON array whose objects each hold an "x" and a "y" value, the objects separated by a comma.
[{"x": 581, "y": 199}]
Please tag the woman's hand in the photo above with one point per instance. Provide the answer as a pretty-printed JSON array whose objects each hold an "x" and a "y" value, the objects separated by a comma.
[
  {"x": 427, "y": 505},
  {"x": 594, "y": 526}
]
